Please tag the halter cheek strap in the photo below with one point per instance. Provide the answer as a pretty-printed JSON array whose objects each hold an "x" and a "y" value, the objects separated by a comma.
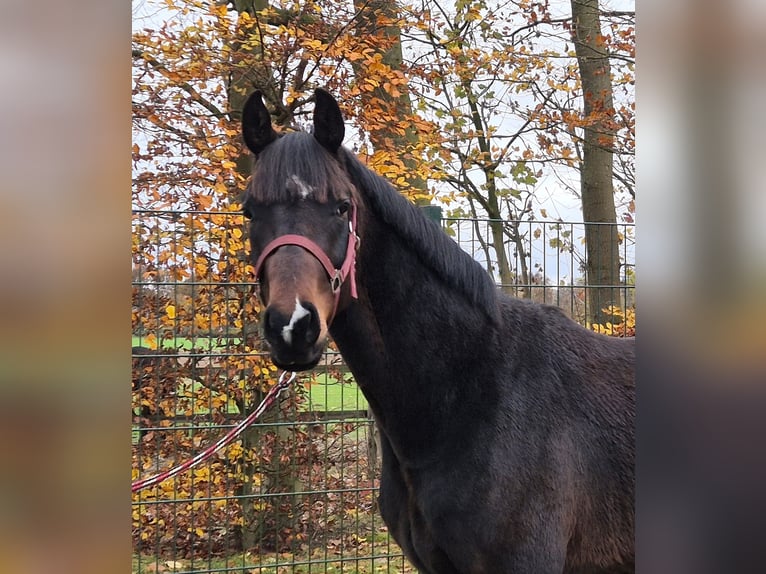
[{"x": 337, "y": 276}]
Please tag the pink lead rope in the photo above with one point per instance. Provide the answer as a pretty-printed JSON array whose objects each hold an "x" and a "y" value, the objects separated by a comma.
[
  {"x": 338, "y": 277},
  {"x": 228, "y": 438}
]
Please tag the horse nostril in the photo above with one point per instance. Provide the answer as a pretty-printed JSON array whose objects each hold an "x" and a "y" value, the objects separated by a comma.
[
  {"x": 273, "y": 321},
  {"x": 311, "y": 324},
  {"x": 300, "y": 329},
  {"x": 303, "y": 326}
]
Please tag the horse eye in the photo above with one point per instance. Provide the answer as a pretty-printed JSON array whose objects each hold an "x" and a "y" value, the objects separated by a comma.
[
  {"x": 248, "y": 209},
  {"x": 342, "y": 207},
  {"x": 253, "y": 211}
]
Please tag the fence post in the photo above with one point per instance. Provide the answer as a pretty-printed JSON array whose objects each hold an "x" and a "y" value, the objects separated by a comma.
[{"x": 432, "y": 212}]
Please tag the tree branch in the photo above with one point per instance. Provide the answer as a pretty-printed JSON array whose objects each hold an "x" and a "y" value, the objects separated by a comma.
[{"x": 185, "y": 86}]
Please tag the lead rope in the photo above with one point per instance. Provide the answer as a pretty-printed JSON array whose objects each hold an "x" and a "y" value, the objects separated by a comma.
[{"x": 273, "y": 394}]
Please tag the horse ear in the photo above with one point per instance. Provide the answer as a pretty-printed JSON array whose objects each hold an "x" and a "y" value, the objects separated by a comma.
[
  {"x": 328, "y": 121},
  {"x": 256, "y": 124}
]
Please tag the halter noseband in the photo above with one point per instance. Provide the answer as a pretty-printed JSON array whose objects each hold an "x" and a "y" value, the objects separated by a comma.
[{"x": 337, "y": 276}]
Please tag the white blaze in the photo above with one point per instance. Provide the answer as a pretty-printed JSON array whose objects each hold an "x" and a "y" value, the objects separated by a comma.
[
  {"x": 304, "y": 189},
  {"x": 299, "y": 313}
]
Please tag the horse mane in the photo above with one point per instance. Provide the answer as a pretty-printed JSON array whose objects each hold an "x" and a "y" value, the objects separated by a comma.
[{"x": 434, "y": 247}]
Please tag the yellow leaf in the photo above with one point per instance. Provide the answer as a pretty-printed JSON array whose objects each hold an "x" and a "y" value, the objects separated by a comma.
[
  {"x": 150, "y": 341},
  {"x": 170, "y": 310},
  {"x": 204, "y": 201}
]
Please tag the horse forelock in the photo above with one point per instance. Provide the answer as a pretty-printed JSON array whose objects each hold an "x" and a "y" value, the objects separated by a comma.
[
  {"x": 452, "y": 265},
  {"x": 296, "y": 167}
]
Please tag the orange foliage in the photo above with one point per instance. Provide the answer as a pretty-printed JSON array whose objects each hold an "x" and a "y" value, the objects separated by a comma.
[{"x": 623, "y": 324}]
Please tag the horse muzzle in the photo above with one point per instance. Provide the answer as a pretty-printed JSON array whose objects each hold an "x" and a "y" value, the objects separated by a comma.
[{"x": 295, "y": 338}]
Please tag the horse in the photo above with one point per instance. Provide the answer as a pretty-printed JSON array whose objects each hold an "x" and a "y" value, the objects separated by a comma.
[{"x": 507, "y": 429}]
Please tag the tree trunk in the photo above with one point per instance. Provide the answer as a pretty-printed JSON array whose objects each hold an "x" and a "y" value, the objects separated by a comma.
[
  {"x": 249, "y": 72},
  {"x": 521, "y": 257},
  {"x": 596, "y": 186},
  {"x": 374, "y": 451},
  {"x": 377, "y": 18},
  {"x": 498, "y": 242},
  {"x": 264, "y": 518}
]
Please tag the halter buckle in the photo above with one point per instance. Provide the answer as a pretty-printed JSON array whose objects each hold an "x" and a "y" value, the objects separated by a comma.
[{"x": 336, "y": 282}]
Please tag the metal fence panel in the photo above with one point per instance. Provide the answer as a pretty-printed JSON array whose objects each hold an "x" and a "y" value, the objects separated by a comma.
[{"x": 297, "y": 492}]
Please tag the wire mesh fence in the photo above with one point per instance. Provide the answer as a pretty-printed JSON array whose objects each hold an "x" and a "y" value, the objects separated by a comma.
[
  {"x": 297, "y": 491},
  {"x": 546, "y": 261}
]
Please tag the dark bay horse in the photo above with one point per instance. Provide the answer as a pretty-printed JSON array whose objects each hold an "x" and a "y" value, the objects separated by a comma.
[{"x": 506, "y": 428}]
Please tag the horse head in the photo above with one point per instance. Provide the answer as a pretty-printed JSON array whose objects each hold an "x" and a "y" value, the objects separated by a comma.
[{"x": 302, "y": 210}]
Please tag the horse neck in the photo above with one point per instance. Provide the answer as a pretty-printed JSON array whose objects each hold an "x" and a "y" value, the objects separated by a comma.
[{"x": 408, "y": 336}]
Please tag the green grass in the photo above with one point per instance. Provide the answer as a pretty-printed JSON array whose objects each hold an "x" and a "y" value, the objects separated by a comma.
[
  {"x": 330, "y": 395},
  {"x": 185, "y": 343}
]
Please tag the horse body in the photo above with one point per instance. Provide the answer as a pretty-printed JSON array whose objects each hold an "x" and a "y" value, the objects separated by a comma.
[
  {"x": 497, "y": 434},
  {"x": 506, "y": 428}
]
